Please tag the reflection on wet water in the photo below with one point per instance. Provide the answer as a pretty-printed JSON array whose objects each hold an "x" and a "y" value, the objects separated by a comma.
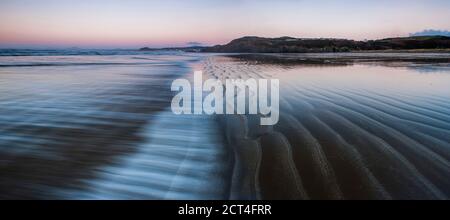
[{"x": 100, "y": 127}]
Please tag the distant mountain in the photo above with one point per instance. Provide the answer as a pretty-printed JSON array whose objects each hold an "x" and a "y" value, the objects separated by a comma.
[
  {"x": 185, "y": 49},
  {"x": 302, "y": 45}
]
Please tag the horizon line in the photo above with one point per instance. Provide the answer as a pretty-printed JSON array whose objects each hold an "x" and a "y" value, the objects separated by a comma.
[{"x": 111, "y": 47}]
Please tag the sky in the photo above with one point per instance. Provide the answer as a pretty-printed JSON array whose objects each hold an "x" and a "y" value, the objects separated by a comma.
[{"x": 167, "y": 23}]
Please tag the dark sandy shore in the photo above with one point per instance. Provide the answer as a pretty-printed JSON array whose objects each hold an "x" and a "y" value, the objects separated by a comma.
[{"x": 368, "y": 127}]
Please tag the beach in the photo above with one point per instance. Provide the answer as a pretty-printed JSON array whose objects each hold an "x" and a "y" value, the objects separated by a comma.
[
  {"x": 352, "y": 126},
  {"x": 366, "y": 129}
]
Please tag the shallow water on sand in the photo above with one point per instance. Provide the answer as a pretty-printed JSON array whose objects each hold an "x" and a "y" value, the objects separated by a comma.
[{"x": 100, "y": 127}]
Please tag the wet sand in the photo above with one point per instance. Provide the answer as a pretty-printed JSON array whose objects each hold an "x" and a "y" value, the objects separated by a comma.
[
  {"x": 352, "y": 131},
  {"x": 351, "y": 127}
]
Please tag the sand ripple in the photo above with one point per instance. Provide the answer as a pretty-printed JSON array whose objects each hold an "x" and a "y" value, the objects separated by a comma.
[{"x": 337, "y": 140}]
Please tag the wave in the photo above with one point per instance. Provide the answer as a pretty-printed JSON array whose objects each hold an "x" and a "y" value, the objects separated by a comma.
[
  {"x": 74, "y": 64},
  {"x": 76, "y": 52}
]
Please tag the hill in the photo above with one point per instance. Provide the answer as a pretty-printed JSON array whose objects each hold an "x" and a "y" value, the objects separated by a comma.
[{"x": 303, "y": 45}]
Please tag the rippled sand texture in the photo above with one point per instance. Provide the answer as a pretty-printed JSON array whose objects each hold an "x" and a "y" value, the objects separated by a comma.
[
  {"x": 100, "y": 128},
  {"x": 345, "y": 132}
]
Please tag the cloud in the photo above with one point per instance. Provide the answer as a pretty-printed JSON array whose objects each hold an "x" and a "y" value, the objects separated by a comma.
[
  {"x": 431, "y": 32},
  {"x": 193, "y": 44}
]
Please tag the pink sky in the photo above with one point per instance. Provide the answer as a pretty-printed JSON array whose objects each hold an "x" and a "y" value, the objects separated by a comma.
[{"x": 136, "y": 23}]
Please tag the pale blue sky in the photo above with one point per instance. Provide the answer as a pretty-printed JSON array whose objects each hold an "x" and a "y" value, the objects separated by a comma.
[{"x": 135, "y": 23}]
